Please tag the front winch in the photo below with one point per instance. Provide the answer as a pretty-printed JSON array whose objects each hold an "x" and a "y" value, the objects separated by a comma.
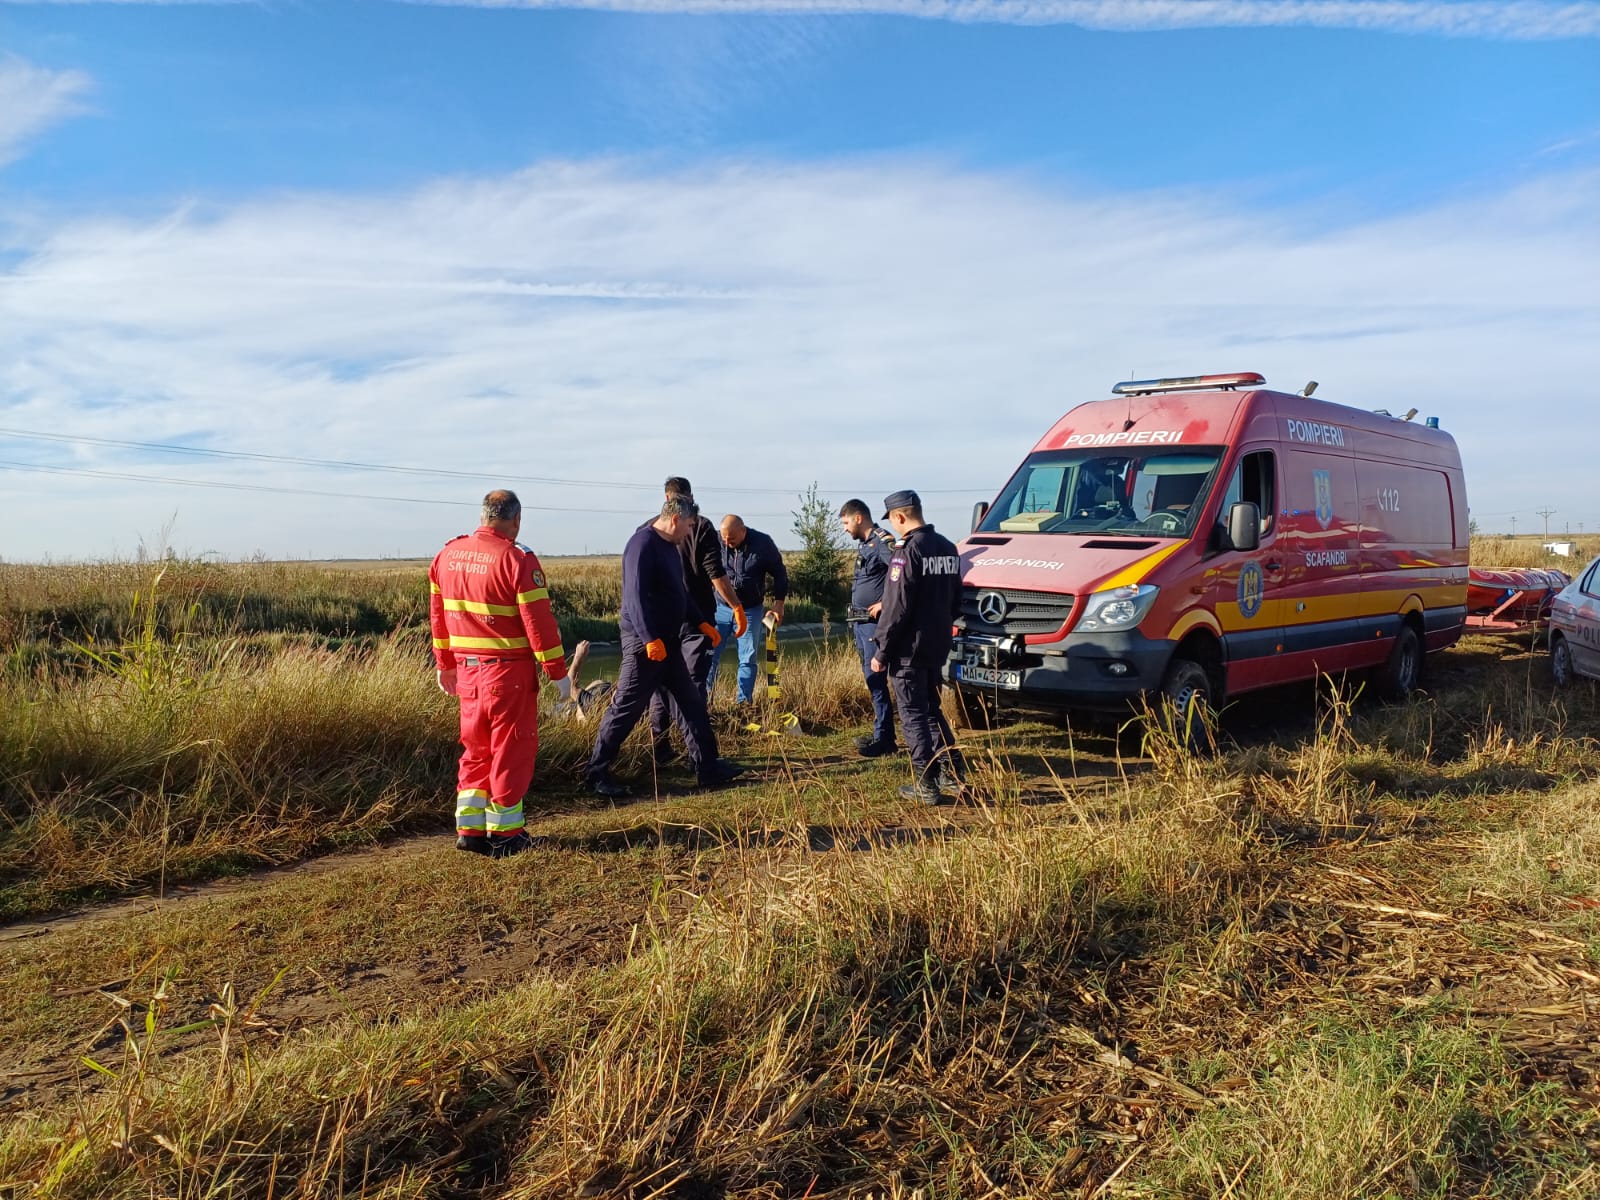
[{"x": 991, "y": 652}]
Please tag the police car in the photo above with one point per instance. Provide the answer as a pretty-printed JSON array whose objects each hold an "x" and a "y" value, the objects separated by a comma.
[{"x": 1575, "y": 628}]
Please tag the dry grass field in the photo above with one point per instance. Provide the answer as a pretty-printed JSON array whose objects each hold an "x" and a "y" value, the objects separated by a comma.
[
  {"x": 1355, "y": 954},
  {"x": 46, "y": 612},
  {"x": 1526, "y": 551}
]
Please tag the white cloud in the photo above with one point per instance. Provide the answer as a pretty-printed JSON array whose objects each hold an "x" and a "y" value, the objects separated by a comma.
[
  {"x": 870, "y": 324},
  {"x": 1512, "y": 19},
  {"x": 1567, "y": 145},
  {"x": 33, "y": 98}
]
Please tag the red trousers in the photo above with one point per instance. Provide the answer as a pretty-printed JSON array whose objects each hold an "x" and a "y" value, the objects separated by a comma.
[{"x": 499, "y": 740}]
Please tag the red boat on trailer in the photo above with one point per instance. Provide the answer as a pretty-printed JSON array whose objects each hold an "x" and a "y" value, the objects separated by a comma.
[{"x": 1508, "y": 600}]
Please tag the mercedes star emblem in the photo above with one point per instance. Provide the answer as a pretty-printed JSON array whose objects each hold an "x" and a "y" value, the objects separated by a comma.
[{"x": 992, "y": 607}]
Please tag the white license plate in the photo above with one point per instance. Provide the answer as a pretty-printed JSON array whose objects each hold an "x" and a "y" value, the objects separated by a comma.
[{"x": 989, "y": 677}]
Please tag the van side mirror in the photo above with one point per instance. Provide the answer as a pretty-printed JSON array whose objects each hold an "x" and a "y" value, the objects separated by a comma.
[
  {"x": 1244, "y": 526},
  {"x": 980, "y": 510}
]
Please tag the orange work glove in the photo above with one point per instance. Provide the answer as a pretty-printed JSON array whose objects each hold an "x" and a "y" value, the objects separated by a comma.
[
  {"x": 741, "y": 623},
  {"x": 656, "y": 651},
  {"x": 710, "y": 631}
]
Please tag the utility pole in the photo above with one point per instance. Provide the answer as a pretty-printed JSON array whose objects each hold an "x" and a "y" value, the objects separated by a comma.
[
  {"x": 1513, "y": 527},
  {"x": 1546, "y": 512}
]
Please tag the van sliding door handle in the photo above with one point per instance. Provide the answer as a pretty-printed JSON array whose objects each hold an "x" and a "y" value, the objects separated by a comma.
[{"x": 1272, "y": 566}]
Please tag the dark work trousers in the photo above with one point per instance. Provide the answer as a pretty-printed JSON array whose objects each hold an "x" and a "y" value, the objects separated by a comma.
[
  {"x": 697, "y": 656},
  {"x": 877, "y": 683},
  {"x": 928, "y": 735},
  {"x": 638, "y": 681}
]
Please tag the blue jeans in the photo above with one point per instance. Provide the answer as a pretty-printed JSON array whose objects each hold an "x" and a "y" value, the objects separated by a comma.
[
  {"x": 750, "y": 647},
  {"x": 877, "y": 682}
]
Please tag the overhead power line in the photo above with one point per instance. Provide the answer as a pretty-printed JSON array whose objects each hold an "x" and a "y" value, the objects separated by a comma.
[
  {"x": 295, "y": 460},
  {"x": 283, "y": 491},
  {"x": 390, "y": 468}
]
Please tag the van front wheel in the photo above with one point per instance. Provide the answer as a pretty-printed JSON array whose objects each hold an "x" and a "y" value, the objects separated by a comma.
[
  {"x": 971, "y": 710},
  {"x": 1187, "y": 701},
  {"x": 1399, "y": 677}
]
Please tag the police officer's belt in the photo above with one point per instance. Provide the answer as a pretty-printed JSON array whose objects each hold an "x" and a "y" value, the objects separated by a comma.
[{"x": 856, "y": 615}]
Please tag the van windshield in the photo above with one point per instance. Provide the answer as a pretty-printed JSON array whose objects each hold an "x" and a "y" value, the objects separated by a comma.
[{"x": 1155, "y": 493}]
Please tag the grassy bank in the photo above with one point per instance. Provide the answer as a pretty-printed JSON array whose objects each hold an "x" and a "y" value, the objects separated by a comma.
[
  {"x": 166, "y": 763},
  {"x": 179, "y": 765}
]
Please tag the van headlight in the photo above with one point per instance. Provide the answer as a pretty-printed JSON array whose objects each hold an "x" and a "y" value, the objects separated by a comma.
[{"x": 1119, "y": 608}]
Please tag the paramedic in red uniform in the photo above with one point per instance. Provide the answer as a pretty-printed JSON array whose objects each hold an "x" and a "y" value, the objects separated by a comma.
[{"x": 492, "y": 632}]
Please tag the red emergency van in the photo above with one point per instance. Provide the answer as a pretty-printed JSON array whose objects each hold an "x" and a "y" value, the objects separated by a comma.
[{"x": 1205, "y": 536}]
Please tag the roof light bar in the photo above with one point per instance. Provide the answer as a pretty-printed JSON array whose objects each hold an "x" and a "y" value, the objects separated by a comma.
[{"x": 1188, "y": 383}]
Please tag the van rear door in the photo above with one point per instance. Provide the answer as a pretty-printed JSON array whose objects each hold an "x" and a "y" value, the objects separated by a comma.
[{"x": 1408, "y": 537}]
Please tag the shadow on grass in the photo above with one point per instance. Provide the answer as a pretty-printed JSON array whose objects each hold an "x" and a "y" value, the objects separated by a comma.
[
  {"x": 1413, "y": 781},
  {"x": 681, "y": 835}
]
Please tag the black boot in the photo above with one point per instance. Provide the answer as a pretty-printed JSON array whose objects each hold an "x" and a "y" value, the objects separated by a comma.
[
  {"x": 473, "y": 845},
  {"x": 719, "y": 774},
  {"x": 952, "y": 776},
  {"x": 504, "y": 845},
  {"x": 608, "y": 785},
  {"x": 926, "y": 789}
]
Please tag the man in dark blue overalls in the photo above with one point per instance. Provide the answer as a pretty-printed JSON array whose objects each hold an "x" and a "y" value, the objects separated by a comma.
[
  {"x": 874, "y": 548},
  {"x": 706, "y": 580},
  {"x": 655, "y": 605},
  {"x": 921, "y": 599}
]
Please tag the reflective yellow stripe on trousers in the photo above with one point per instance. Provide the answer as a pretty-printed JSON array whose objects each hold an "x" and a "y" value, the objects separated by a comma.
[
  {"x": 504, "y": 820},
  {"x": 469, "y": 810}
]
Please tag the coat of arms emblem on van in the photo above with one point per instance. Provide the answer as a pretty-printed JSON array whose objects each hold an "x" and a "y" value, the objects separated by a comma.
[{"x": 1324, "y": 485}]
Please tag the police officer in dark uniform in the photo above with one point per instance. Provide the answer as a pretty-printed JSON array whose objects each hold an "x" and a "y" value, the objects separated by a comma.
[
  {"x": 874, "y": 548},
  {"x": 921, "y": 599}
]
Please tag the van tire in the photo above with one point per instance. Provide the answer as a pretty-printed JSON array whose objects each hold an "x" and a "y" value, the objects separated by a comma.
[
  {"x": 971, "y": 710},
  {"x": 1561, "y": 662},
  {"x": 1399, "y": 677},
  {"x": 1187, "y": 697}
]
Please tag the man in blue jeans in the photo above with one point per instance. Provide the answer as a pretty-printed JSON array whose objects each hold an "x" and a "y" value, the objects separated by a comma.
[
  {"x": 752, "y": 562},
  {"x": 874, "y": 549}
]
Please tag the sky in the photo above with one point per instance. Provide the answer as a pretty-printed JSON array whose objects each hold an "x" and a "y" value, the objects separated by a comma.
[{"x": 572, "y": 248}]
